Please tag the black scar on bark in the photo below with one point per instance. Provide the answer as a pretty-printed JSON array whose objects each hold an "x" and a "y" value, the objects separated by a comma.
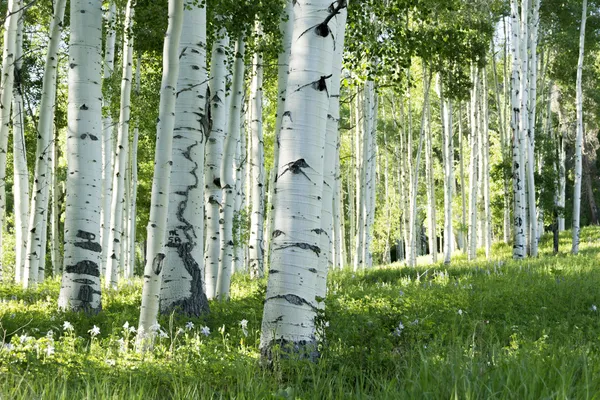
[
  {"x": 217, "y": 182},
  {"x": 157, "y": 263},
  {"x": 292, "y": 299},
  {"x": 196, "y": 303},
  {"x": 86, "y": 295},
  {"x": 287, "y": 114},
  {"x": 295, "y": 167},
  {"x": 88, "y": 243},
  {"x": 319, "y": 85},
  {"x": 303, "y": 246},
  {"x": 277, "y": 233},
  {"x": 83, "y": 107},
  {"x": 85, "y": 267}
]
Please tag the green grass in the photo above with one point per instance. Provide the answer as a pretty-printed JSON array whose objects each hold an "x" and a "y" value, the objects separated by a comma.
[{"x": 486, "y": 329}]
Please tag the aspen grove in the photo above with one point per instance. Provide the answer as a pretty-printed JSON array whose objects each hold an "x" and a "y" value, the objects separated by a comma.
[{"x": 173, "y": 156}]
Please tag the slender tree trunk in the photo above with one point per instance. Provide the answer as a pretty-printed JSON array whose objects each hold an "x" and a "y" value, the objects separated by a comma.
[
  {"x": 286, "y": 27},
  {"x": 463, "y": 224},
  {"x": 519, "y": 245},
  {"x": 21, "y": 174},
  {"x": 108, "y": 130},
  {"x": 257, "y": 162},
  {"x": 157, "y": 223},
  {"x": 6, "y": 94},
  {"x": 55, "y": 216},
  {"x": 360, "y": 138},
  {"x": 415, "y": 175},
  {"x": 212, "y": 163},
  {"x": 182, "y": 286},
  {"x": 579, "y": 137},
  {"x": 80, "y": 288},
  {"x": 116, "y": 238},
  {"x": 448, "y": 152},
  {"x": 228, "y": 172},
  {"x": 134, "y": 181},
  {"x": 531, "y": 111},
  {"x": 473, "y": 167},
  {"x": 240, "y": 206},
  {"x": 486, "y": 170},
  {"x": 429, "y": 184},
  {"x": 290, "y": 305}
]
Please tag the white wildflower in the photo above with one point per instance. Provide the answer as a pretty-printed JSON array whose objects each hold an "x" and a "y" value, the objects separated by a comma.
[
  {"x": 133, "y": 330},
  {"x": 126, "y": 325},
  {"x": 244, "y": 323},
  {"x": 205, "y": 330},
  {"x": 399, "y": 329},
  {"x": 50, "y": 350},
  {"x": 23, "y": 339},
  {"x": 189, "y": 326},
  {"x": 163, "y": 334},
  {"x": 95, "y": 331},
  {"x": 155, "y": 327},
  {"x": 460, "y": 311},
  {"x": 110, "y": 362},
  {"x": 594, "y": 308},
  {"x": 67, "y": 326},
  {"x": 50, "y": 334}
]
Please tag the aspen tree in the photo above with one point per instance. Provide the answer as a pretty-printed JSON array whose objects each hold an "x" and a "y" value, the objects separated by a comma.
[
  {"x": 157, "y": 223},
  {"x": 80, "y": 288}
]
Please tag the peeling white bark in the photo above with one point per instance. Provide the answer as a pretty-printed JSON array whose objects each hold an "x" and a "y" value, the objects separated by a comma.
[
  {"x": 472, "y": 253},
  {"x": 6, "y": 94},
  {"x": 257, "y": 164},
  {"x": 290, "y": 305},
  {"x": 117, "y": 238},
  {"x": 80, "y": 288},
  {"x": 212, "y": 162},
  {"x": 228, "y": 172},
  {"x": 157, "y": 223},
  {"x": 108, "y": 130},
  {"x": 579, "y": 137}
]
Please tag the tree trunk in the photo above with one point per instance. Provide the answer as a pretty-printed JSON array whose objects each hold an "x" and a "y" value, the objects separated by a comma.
[
  {"x": 6, "y": 94},
  {"x": 157, "y": 223},
  {"x": 473, "y": 167},
  {"x": 286, "y": 26},
  {"x": 55, "y": 216},
  {"x": 116, "y": 239},
  {"x": 486, "y": 170},
  {"x": 519, "y": 245},
  {"x": 290, "y": 305},
  {"x": 579, "y": 137},
  {"x": 182, "y": 286},
  {"x": 107, "y": 135},
  {"x": 463, "y": 224},
  {"x": 429, "y": 184},
  {"x": 228, "y": 174},
  {"x": 257, "y": 162},
  {"x": 448, "y": 152},
  {"x": 21, "y": 174},
  {"x": 80, "y": 288},
  {"x": 134, "y": 181},
  {"x": 212, "y": 163}
]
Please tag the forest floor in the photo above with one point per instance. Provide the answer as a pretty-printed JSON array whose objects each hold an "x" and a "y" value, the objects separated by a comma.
[{"x": 482, "y": 329}]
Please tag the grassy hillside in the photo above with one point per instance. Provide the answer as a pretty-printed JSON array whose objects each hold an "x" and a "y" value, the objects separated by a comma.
[{"x": 485, "y": 329}]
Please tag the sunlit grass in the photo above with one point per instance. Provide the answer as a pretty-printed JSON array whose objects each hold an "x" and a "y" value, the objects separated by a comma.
[{"x": 481, "y": 329}]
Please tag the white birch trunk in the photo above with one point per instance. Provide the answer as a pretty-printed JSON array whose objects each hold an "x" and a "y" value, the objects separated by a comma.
[
  {"x": 6, "y": 94},
  {"x": 448, "y": 176},
  {"x": 359, "y": 186},
  {"x": 55, "y": 216},
  {"x": 286, "y": 27},
  {"x": 240, "y": 200},
  {"x": 330, "y": 163},
  {"x": 133, "y": 205},
  {"x": 472, "y": 253},
  {"x": 212, "y": 163},
  {"x": 157, "y": 223},
  {"x": 531, "y": 111},
  {"x": 487, "y": 217},
  {"x": 116, "y": 238},
  {"x": 413, "y": 228},
  {"x": 107, "y": 135},
  {"x": 257, "y": 164},
  {"x": 183, "y": 285},
  {"x": 228, "y": 172},
  {"x": 463, "y": 195},
  {"x": 21, "y": 174},
  {"x": 80, "y": 288},
  {"x": 430, "y": 189},
  {"x": 290, "y": 305},
  {"x": 519, "y": 245},
  {"x": 579, "y": 137}
]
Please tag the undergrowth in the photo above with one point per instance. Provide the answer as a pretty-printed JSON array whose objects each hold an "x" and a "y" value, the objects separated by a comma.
[{"x": 483, "y": 329}]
